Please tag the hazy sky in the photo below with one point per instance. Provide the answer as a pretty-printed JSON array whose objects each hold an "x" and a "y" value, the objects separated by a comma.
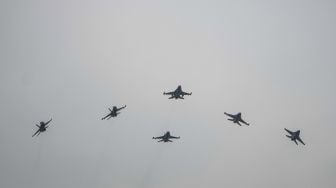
[{"x": 274, "y": 61}]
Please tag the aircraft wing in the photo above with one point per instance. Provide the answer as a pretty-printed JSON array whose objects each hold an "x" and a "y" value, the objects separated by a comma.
[
  {"x": 184, "y": 93},
  {"x": 122, "y": 108},
  {"x": 230, "y": 115},
  {"x": 48, "y": 122},
  {"x": 299, "y": 139},
  {"x": 36, "y": 132},
  {"x": 241, "y": 120},
  {"x": 290, "y": 132},
  {"x": 106, "y": 116},
  {"x": 174, "y": 137},
  {"x": 168, "y": 93}
]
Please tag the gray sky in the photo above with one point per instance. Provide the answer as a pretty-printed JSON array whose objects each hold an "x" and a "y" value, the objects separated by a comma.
[{"x": 72, "y": 59}]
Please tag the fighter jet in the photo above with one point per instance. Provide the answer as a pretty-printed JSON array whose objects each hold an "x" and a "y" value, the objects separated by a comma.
[
  {"x": 113, "y": 113},
  {"x": 294, "y": 136},
  {"x": 42, "y": 127},
  {"x": 166, "y": 137},
  {"x": 177, "y": 94},
  {"x": 236, "y": 118}
]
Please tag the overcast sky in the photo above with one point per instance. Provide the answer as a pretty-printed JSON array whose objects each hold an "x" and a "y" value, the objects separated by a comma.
[{"x": 71, "y": 60}]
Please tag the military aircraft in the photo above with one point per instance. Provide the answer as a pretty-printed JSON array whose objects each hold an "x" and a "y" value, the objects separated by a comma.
[
  {"x": 114, "y": 112},
  {"x": 177, "y": 94},
  {"x": 166, "y": 137},
  {"x": 294, "y": 136},
  {"x": 42, "y": 127},
  {"x": 236, "y": 118}
]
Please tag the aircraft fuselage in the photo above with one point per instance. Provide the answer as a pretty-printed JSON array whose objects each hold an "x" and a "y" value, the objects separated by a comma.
[
  {"x": 295, "y": 135},
  {"x": 42, "y": 128}
]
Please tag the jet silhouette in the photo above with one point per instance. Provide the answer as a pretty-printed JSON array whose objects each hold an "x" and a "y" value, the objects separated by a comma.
[
  {"x": 294, "y": 136},
  {"x": 113, "y": 113},
  {"x": 177, "y": 94},
  {"x": 166, "y": 137},
  {"x": 42, "y": 127},
  {"x": 236, "y": 118}
]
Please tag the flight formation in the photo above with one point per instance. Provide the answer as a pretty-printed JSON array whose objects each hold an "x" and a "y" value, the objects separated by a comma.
[{"x": 178, "y": 93}]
